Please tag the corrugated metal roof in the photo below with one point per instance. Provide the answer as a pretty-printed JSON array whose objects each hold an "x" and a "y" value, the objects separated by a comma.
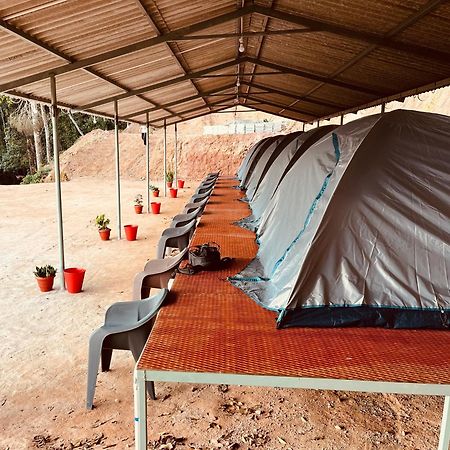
[{"x": 303, "y": 60}]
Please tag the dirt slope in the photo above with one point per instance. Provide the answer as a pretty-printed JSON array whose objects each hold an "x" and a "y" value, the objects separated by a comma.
[{"x": 94, "y": 154}]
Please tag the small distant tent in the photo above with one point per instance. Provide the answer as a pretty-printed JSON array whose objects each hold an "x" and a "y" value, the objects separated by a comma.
[
  {"x": 266, "y": 184},
  {"x": 262, "y": 146},
  {"x": 265, "y": 161},
  {"x": 358, "y": 231}
]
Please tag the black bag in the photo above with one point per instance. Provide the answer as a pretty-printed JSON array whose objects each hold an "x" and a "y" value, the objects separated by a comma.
[{"x": 203, "y": 257}]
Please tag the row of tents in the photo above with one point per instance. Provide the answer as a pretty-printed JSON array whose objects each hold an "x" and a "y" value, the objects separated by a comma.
[{"x": 352, "y": 223}]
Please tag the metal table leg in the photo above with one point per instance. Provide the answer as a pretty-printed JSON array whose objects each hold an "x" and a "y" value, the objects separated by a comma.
[
  {"x": 140, "y": 410},
  {"x": 444, "y": 437}
]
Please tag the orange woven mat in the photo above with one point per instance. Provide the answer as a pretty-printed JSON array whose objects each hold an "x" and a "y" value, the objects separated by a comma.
[{"x": 208, "y": 325}]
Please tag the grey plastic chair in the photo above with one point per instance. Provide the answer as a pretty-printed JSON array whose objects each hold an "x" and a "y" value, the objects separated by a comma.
[
  {"x": 156, "y": 274},
  {"x": 127, "y": 327},
  {"x": 199, "y": 197},
  {"x": 183, "y": 219},
  {"x": 204, "y": 190},
  {"x": 193, "y": 206},
  {"x": 175, "y": 238}
]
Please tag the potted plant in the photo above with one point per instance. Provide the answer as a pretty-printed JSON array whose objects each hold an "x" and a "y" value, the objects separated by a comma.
[
  {"x": 169, "y": 178},
  {"x": 180, "y": 184},
  {"x": 155, "y": 190},
  {"x": 45, "y": 276},
  {"x": 138, "y": 204},
  {"x": 102, "y": 224}
]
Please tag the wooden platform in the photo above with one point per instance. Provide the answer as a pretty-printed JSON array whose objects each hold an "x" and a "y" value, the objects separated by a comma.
[
  {"x": 209, "y": 326},
  {"x": 210, "y": 332}
]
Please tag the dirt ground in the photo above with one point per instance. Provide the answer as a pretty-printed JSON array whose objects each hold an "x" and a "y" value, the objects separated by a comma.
[{"x": 43, "y": 356}]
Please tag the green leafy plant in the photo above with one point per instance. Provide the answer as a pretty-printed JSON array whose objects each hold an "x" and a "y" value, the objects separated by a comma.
[
  {"x": 102, "y": 222},
  {"x": 37, "y": 177},
  {"x": 153, "y": 188},
  {"x": 169, "y": 175},
  {"x": 45, "y": 271},
  {"x": 138, "y": 201}
]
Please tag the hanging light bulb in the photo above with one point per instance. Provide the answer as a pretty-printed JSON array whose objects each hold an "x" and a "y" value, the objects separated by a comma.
[
  {"x": 238, "y": 82},
  {"x": 241, "y": 45}
]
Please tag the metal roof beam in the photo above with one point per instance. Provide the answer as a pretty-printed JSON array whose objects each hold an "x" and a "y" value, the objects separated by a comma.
[
  {"x": 55, "y": 52},
  {"x": 370, "y": 38},
  {"x": 219, "y": 110},
  {"x": 244, "y": 34},
  {"x": 162, "y": 84},
  {"x": 197, "y": 108},
  {"x": 111, "y": 54},
  {"x": 271, "y": 90},
  {"x": 282, "y": 107},
  {"x": 184, "y": 100},
  {"x": 178, "y": 59},
  {"x": 398, "y": 29},
  {"x": 315, "y": 77},
  {"x": 256, "y": 108}
]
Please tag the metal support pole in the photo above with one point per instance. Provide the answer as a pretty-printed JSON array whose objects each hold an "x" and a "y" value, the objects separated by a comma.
[
  {"x": 444, "y": 436},
  {"x": 383, "y": 108},
  {"x": 116, "y": 136},
  {"x": 147, "y": 151},
  {"x": 304, "y": 126},
  {"x": 54, "y": 113},
  {"x": 165, "y": 158},
  {"x": 342, "y": 119},
  {"x": 176, "y": 157},
  {"x": 318, "y": 123},
  {"x": 140, "y": 411}
]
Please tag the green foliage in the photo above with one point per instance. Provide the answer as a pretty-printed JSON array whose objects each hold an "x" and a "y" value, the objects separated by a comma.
[
  {"x": 18, "y": 159},
  {"x": 102, "y": 222},
  {"x": 13, "y": 145},
  {"x": 45, "y": 271},
  {"x": 37, "y": 177},
  {"x": 138, "y": 201},
  {"x": 68, "y": 133},
  {"x": 153, "y": 188},
  {"x": 169, "y": 175}
]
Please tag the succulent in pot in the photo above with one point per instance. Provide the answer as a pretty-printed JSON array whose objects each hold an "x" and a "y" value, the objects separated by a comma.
[{"x": 45, "y": 276}]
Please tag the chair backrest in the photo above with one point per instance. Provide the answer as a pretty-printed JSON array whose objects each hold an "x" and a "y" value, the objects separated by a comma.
[
  {"x": 199, "y": 197},
  {"x": 148, "y": 307},
  {"x": 192, "y": 206},
  {"x": 182, "y": 219}
]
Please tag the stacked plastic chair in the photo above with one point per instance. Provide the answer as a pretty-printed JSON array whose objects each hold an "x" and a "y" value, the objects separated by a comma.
[{"x": 127, "y": 325}]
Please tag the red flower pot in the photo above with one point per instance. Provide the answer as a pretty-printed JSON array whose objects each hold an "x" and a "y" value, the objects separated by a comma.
[
  {"x": 130, "y": 232},
  {"x": 155, "y": 193},
  {"x": 104, "y": 234},
  {"x": 156, "y": 207},
  {"x": 180, "y": 184},
  {"x": 74, "y": 278},
  {"x": 138, "y": 209},
  {"x": 173, "y": 192},
  {"x": 45, "y": 283},
  {"x": 169, "y": 184}
]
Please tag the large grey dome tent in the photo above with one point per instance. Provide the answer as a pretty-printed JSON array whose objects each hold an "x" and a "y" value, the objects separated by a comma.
[
  {"x": 268, "y": 183},
  {"x": 265, "y": 161},
  {"x": 250, "y": 153},
  {"x": 268, "y": 143},
  {"x": 358, "y": 230}
]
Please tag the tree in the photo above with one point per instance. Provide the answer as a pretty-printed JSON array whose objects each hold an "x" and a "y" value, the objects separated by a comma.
[{"x": 46, "y": 133}]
